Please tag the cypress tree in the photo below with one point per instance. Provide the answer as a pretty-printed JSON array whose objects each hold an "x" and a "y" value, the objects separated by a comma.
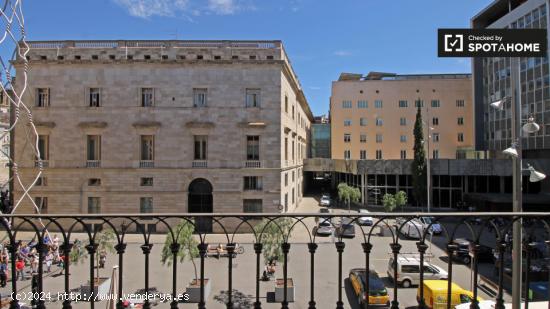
[{"x": 418, "y": 167}]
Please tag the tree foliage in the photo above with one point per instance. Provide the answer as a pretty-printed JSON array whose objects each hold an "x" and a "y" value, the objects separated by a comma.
[
  {"x": 188, "y": 245},
  {"x": 271, "y": 235},
  {"x": 418, "y": 168},
  {"x": 348, "y": 194},
  {"x": 400, "y": 199},
  {"x": 388, "y": 200}
]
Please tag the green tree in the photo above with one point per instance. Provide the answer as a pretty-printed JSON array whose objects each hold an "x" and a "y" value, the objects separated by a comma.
[
  {"x": 105, "y": 242},
  {"x": 272, "y": 235},
  {"x": 188, "y": 245},
  {"x": 388, "y": 200},
  {"x": 348, "y": 194},
  {"x": 418, "y": 167},
  {"x": 400, "y": 199}
]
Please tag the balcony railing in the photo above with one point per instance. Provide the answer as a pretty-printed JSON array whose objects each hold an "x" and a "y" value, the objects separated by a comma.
[
  {"x": 93, "y": 163},
  {"x": 200, "y": 164},
  {"x": 252, "y": 164},
  {"x": 354, "y": 248},
  {"x": 146, "y": 164}
]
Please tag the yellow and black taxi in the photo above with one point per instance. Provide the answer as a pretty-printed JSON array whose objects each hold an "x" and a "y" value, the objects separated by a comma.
[{"x": 378, "y": 295}]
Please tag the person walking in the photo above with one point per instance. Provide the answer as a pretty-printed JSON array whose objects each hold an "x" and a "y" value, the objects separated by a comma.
[
  {"x": 3, "y": 273},
  {"x": 20, "y": 269},
  {"x": 49, "y": 261}
]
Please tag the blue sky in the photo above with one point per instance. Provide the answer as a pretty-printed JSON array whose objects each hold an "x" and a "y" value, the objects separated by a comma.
[{"x": 322, "y": 37}]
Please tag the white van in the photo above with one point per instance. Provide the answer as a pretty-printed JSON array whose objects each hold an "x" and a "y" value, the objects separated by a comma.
[
  {"x": 411, "y": 229},
  {"x": 408, "y": 270}
]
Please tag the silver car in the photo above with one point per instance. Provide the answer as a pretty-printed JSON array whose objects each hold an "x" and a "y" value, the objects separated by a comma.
[{"x": 365, "y": 219}]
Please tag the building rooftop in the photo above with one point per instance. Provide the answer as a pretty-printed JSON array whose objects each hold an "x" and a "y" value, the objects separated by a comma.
[
  {"x": 494, "y": 11},
  {"x": 394, "y": 76}
]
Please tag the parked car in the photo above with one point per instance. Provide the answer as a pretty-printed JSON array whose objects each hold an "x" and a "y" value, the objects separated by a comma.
[
  {"x": 464, "y": 252},
  {"x": 365, "y": 219},
  {"x": 324, "y": 224},
  {"x": 378, "y": 294},
  {"x": 324, "y": 201},
  {"x": 411, "y": 229},
  {"x": 435, "y": 227},
  {"x": 345, "y": 228},
  {"x": 435, "y": 294},
  {"x": 408, "y": 270}
]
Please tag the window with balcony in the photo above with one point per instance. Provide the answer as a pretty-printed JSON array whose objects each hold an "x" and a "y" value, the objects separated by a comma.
[
  {"x": 347, "y": 154},
  {"x": 461, "y": 137},
  {"x": 146, "y": 181},
  {"x": 42, "y": 204},
  {"x": 199, "y": 97},
  {"x": 378, "y": 104},
  {"x": 346, "y": 104},
  {"x": 252, "y": 206},
  {"x": 43, "y": 97},
  {"x": 403, "y": 103},
  {"x": 378, "y": 154},
  {"x": 403, "y": 154},
  {"x": 363, "y": 138},
  {"x": 403, "y": 121},
  {"x": 363, "y": 154},
  {"x": 147, "y": 152},
  {"x": 347, "y": 138},
  {"x": 94, "y": 97},
  {"x": 459, "y": 103},
  {"x": 93, "y": 150},
  {"x": 347, "y": 122},
  {"x": 436, "y": 103},
  {"x": 252, "y": 183},
  {"x": 94, "y": 205},
  {"x": 253, "y": 147},
  {"x": 363, "y": 121},
  {"x": 460, "y": 121},
  {"x": 43, "y": 147},
  {"x": 379, "y": 138},
  {"x": 252, "y": 98},
  {"x": 200, "y": 147},
  {"x": 147, "y": 97},
  {"x": 362, "y": 104},
  {"x": 435, "y": 121},
  {"x": 146, "y": 205}
]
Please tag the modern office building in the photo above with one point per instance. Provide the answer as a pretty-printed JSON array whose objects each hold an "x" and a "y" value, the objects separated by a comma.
[
  {"x": 492, "y": 82},
  {"x": 320, "y": 138},
  {"x": 162, "y": 126},
  {"x": 372, "y": 116}
]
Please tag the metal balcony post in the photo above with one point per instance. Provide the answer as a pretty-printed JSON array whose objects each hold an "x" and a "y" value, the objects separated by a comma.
[
  {"x": 340, "y": 245},
  {"x": 312, "y": 248}
]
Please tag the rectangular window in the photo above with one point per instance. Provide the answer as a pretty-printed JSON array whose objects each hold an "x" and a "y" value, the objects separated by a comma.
[
  {"x": 44, "y": 147},
  {"x": 252, "y": 97},
  {"x": 363, "y": 154},
  {"x": 378, "y": 154},
  {"x": 460, "y": 121},
  {"x": 436, "y": 154},
  {"x": 94, "y": 182},
  {"x": 293, "y": 112},
  {"x": 43, "y": 97},
  {"x": 147, "y": 149},
  {"x": 252, "y": 205},
  {"x": 286, "y": 179},
  {"x": 347, "y": 122},
  {"x": 403, "y": 121},
  {"x": 94, "y": 99},
  {"x": 378, "y": 104},
  {"x": 42, "y": 204},
  {"x": 41, "y": 181},
  {"x": 253, "y": 147},
  {"x": 347, "y": 138},
  {"x": 346, "y": 104},
  {"x": 459, "y": 103},
  {"x": 403, "y": 103},
  {"x": 145, "y": 205},
  {"x": 93, "y": 148},
  {"x": 460, "y": 137},
  {"x": 362, "y": 104},
  {"x": 418, "y": 103},
  {"x": 435, "y": 121},
  {"x": 286, "y": 104},
  {"x": 403, "y": 154},
  {"x": 436, "y": 103},
  {"x": 286, "y": 148},
  {"x": 379, "y": 122},
  {"x": 199, "y": 97},
  {"x": 347, "y": 154},
  {"x": 363, "y": 138},
  {"x": 403, "y": 138},
  {"x": 435, "y": 137},
  {"x": 147, "y": 97},
  {"x": 379, "y": 138},
  {"x": 201, "y": 147},
  {"x": 94, "y": 205},
  {"x": 146, "y": 181},
  {"x": 363, "y": 122}
]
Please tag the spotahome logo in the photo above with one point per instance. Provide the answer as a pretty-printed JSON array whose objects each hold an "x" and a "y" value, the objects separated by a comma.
[{"x": 492, "y": 42}]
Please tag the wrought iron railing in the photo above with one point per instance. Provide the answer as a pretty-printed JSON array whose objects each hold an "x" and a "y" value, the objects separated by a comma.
[{"x": 482, "y": 230}]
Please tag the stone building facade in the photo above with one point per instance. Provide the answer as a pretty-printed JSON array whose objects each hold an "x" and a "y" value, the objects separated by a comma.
[{"x": 162, "y": 126}]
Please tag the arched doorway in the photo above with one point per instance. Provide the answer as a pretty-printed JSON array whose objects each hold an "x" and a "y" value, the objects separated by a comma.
[{"x": 200, "y": 201}]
